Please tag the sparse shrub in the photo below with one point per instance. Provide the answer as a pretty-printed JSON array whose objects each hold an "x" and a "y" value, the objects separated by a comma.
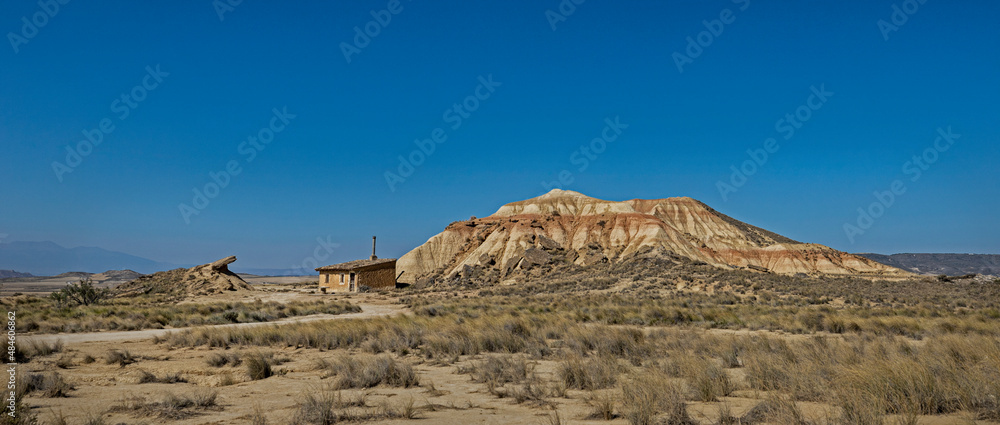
[
  {"x": 65, "y": 361},
  {"x": 27, "y": 349},
  {"x": 767, "y": 372},
  {"x": 53, "y": 385},
  {"x": 121, "y": 357},
  {"x": 323, "y": 406},
  {"x": 708, "y": 381},
  {"x": 777, "y": 411},
  {"x": 588, "y": 374},
  {"x": 146, "y": 377},
  {"x": 651, "y": 397},
  {"x": 216, "y": 360},
  {"x": 204, "y": 399},
  {"x": 170, "y": 405},
  {"x": 531, "y": 389},
  {"x": 226, "y": 379},
  {"x": 407, "y": 409},
  {"x": 316, "y": 409},
  {"x": 498, "y": 370},
  {"x": 27, "y": 382},
  {"x": 602, "y": 405},
  {"x": 258, "y": 366},
  {"x": 366, "y": 371},
  {"x": 219, "y": 360},
  {"x": 82, "y": 293},
  {"x": 50, "y": 385}
]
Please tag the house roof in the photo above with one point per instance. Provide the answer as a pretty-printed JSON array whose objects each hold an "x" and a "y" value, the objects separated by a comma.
[{"x": 358, "y": 264}]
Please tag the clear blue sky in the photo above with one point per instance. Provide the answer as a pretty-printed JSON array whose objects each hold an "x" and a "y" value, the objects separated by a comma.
[{"x": 323, "y": 175}]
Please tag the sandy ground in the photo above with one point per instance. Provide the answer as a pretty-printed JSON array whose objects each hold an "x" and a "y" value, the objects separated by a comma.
[{"x": 445, "y": 396}]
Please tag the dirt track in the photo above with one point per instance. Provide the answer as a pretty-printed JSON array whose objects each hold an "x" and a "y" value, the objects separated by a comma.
[{"x": 367, "y": 311}]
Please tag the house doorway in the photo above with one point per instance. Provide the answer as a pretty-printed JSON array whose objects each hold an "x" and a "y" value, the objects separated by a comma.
[{"x": 351, "y": 286}]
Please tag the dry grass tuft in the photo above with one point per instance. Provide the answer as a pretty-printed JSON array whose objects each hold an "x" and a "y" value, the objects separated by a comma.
[
  {"x": 776, "y": 410},
  {"x": 228, "y": 358},
  {"x": 258, "y": 365},
  {"x": 367, "y": 371},
  {"x": 327, "y": 406},
  {"x": 590, "y": 373},
  {"x": 50, "y": 385},
  {"x": 145, "y": 377},
  {"x": 27, "y": 349},
  {"x": 651, "y": 397},
  {"x": 121, "y": 357},
  {"x": 497, "y": 370},
  {"x": 708, "y": 381},
  {"x": 169, "y": 406},
  {"x": 602, "y": 405}
]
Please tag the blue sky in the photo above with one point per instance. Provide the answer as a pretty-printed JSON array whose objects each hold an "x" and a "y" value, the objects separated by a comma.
[{"x": 324, "y": 173}]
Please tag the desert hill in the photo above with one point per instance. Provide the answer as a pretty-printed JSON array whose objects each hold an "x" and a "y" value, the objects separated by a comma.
[
  {"x": 584, "y": 231},
  {"x": 211, "y": 278},
  {"x": 117, "y": 275}
]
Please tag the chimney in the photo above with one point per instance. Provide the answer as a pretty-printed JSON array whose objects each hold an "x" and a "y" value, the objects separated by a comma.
[{"x": 373, "y": 249}]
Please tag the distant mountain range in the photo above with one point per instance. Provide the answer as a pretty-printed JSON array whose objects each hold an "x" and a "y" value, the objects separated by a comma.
[
  {"x": 50, "y": 259},
  {"x": 938, "y": 264},
  {"x": 11, "y": 273}
]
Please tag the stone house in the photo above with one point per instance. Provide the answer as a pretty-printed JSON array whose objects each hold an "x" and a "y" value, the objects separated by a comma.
[{"x": 352, "y": 275}]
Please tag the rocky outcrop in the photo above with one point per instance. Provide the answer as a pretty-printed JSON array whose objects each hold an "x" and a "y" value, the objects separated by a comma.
[
  {"x": 587, "y": 231},
  {"x": 206, "y": 279}
]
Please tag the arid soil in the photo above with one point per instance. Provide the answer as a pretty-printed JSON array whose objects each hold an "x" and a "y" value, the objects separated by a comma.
[{"x": 445, "y": 395}]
